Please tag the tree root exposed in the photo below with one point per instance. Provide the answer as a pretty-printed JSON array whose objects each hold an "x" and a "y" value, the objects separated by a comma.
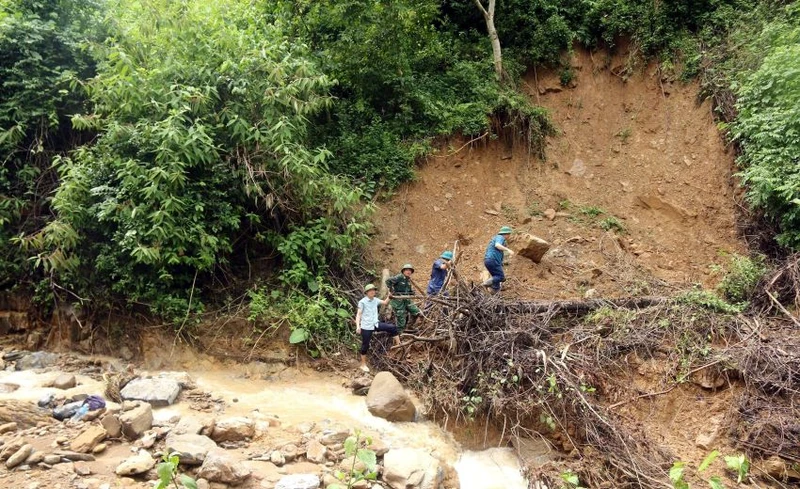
[{"x": 559, "y": 368}]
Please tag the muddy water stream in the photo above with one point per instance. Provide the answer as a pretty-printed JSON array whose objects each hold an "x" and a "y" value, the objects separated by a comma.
[{"x": 296, "y": 397}]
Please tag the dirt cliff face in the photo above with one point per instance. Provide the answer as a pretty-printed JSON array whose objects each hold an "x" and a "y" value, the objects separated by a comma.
[{"x": 636, "y": 192}]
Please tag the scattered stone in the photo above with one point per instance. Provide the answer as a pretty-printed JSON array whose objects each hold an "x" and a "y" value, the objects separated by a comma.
[
  {"x": 190, "y": 448},
  {"x": 99, "y": 448},
  {"x": 379, "y": 447},
  {"x": 352, "y": 463},
  {"x": 11, "y": 447},
  {"x": 277, "y": 458},
  {"x": 90, "y": 438},
  {"x": 19, "y": 456},
  {"x": 532, "y": 247},
  {"x": 203, "y": 484},
  {"x": 334, "y": 435},
  {"x": 61, "y": 440},
  {"x": 491, "y": 212},
  {"x": 138, "y": 464},
  {"x": 188, "y": 425},
  {"x": 39, "y": 359},
  {"x": 75, "y": 456},
  {"x": 219, "y": 467},
  {"x": 52, "y": 459},
  {"x": 360, "y": 385},
  {"x": 578, "y": 168},
  {"x": 550, "y": 214},
  {"x": 8, "y": 388},
  {"x": 707, "y": 378},
  {"x": 316, "y": 452},
  {"x": 706, "y": 438},
  {"x": 65, "y": 381},
  {"x": 590, "y": 294},
  {"x": 387, "y": 399},
  {"x": 147, "y": 441},
  {"x": 136, "y": 421},
  {"x": 8, "y": 427},
  {"x": 112, "y": 425},
  {"x": 290, "y": 452},
  {"x": 298, "y": 481},
  {"x": 156, "y": 391},
  {"x": 406, "y": 468},
  {"x": 82, "y": 469},
  {"x": 35, "y": 458},
  {"x": 233, "y": 429},
  {"x": 305, "y": 427}
]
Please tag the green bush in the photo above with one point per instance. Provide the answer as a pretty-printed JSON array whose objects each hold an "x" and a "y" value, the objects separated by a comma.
[{"x": 741, "y": 279}]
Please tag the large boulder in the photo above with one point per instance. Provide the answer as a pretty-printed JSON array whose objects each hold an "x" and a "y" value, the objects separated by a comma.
[
  {"x": 233, "y": 429},
  {"x": 136, "y": 421},
  {"x": 387, "y": 399},
  {"x": 532, "y": 247},
  {"x": 298, "y": 481},
  {"x": 412, "y": 468},
  {"x": 88, "y": 439},
  {"x": 190, "y": 448},
  {"x": 156, "y": 391},
  {"x": 138, "y": 464},
  {"x": 220, "y": 467},
  {"x": 39, "y": 359}
]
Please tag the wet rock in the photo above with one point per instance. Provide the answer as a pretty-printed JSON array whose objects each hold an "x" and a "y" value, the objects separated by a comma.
[
  {"x": 360, "y": 385},
  {"x": 411, "y": 468},
  {"x": 190, "y": 448},
  {"x": 8, "y": 427},
  {"x": 290, "y": 452},
  {"x": 88, "y": 439},
  {"x": 233, "y": 429},
  {"x": 379, "y": 447},
  {"x": 298, "y": 481},
  {"x": 138, "y": 464},
  {"x": 52, "y": 459},
  {"x": 19, "y": 456},
  {"x": 147, "y": 440},
  {"x": 39, "y": 359},
  {"x": 11, "y": 447},
  {"x": 188, "y": 425},
  {"x": 334, "y": 435},
  {"x": 136, "y": 421},
  {"x": 35, "y": 458},
  {"x": 8, "y": 388},
  {"x": 316, "y": 452},
  {"x": 112, "y": 425},
  {"x": 75, "y": 456},
  {"x": 65, "y": 381},
  {"x": 532, "y": 247},
  {"x": 156, "y": 391},
  {"x": 219, "y": 467},
  {"x": 387, "y": 399},
  {"x": 277, "y": 458}
]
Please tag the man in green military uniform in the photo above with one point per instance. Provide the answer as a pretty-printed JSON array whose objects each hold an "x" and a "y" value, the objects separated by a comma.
[{"x": 400, "y": 284}]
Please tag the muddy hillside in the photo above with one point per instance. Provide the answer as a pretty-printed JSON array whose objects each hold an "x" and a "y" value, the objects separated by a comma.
[{"x": 636, "y": 191}]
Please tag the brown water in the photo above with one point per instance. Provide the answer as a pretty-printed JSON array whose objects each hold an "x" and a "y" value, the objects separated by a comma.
[{"x": 297, "y": 396}]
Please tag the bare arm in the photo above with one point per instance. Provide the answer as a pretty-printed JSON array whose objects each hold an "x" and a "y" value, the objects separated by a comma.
[
  {"x": 503, "y": 248},
  {"x": 358, "y": 321},
  {"x": 388, "y": 298}
]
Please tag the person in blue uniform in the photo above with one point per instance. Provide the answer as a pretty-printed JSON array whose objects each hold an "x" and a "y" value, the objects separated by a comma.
[{"x": 493, "y": 259}]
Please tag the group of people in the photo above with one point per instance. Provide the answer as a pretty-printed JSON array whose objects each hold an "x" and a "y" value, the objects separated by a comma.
[{"x": 400, "y": 292}]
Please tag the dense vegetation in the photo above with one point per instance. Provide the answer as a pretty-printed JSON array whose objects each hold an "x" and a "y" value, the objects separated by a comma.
[{"x": 155, "y": 151}]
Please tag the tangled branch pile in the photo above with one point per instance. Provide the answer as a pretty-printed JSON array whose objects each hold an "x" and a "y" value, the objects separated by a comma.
[{"x": 561, "y": 368}]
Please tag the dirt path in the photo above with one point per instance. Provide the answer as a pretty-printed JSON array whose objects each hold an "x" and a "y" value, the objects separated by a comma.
[{"x": 640, "y": 157}]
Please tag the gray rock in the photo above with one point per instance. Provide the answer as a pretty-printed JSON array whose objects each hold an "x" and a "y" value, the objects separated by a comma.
[
  {"x": 277, "y": 458},
  {"x": 157, "y": 391},
  {"x": 188, "y": 425},
  {"x": 233, "y": 429},
  {"x": 298, "y": 481},
  {"x": 75, "y": 456},
  {"x": 136, "y": 421},
  {"x": 52, "y": 459},
  {"x": 190, "y": 448},
  {"x": 65, "y": 381},
  {"x": 387, "y": 399},
  {"x": 19, "y": 456},
  {"x": 39, "y": 359},
  {"x": 411, "y": 468},
  {"x": 138, "y": 464},
  {"x": 334, "y": 435},
  {"x": 220, "y": 467},
  {"x": 112, "y": 424},
  {"x": 316, "y": 452},
  {"x": 35, "y": 458}
]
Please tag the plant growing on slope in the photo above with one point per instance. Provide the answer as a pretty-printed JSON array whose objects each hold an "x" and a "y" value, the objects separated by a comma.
[
  {"x": 168, "y": 475},
  {"x": 357, "y": 449}
]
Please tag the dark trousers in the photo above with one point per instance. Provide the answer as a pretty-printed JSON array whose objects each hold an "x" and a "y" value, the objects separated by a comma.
[
  {"x": 496, "y": 269},
  {"x": 366, "y": 334}
]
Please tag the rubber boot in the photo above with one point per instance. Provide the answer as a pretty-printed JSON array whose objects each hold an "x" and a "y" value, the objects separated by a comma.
[{"x": 487, "y": 283}]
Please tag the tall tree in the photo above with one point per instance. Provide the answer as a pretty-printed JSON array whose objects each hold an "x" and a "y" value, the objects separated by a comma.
[{"x": 497, "y": 54}]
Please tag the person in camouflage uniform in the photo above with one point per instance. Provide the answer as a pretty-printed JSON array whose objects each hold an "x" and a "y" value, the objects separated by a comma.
[{"x": 400, "y": 284}]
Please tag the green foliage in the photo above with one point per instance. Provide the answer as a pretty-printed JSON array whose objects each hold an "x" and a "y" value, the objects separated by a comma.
[
  {"x": 202, "y": 113},
  {"x": 571, "y": 480},
  {"x": 168, "y": 475},
  {"x": 739, "y": 465},
  {"x": 357, "y": 448},
  {"x": 676, "y": 475},
  {"x": 741, "y": 279},
  {"x": 470, "y": 403},
  {"x": 709, "y": 300},
  {"x": 767, "y": 127},
  {"x": 611, "y": 223}
]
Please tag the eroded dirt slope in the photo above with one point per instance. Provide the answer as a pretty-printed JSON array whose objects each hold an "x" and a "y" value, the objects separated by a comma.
[{"x": 640, "y": 150}]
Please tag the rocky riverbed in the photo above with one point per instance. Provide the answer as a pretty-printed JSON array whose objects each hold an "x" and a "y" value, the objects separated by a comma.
[{"x": 230, "y": 427}]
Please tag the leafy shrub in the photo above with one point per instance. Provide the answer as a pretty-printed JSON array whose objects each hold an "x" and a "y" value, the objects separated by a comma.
[
  {"x": 709, "y": 300},
  {"x": 742, "y": 277}
]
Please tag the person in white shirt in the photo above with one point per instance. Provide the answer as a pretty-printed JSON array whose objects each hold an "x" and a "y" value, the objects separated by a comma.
[{"x": 367, "y": 322}]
